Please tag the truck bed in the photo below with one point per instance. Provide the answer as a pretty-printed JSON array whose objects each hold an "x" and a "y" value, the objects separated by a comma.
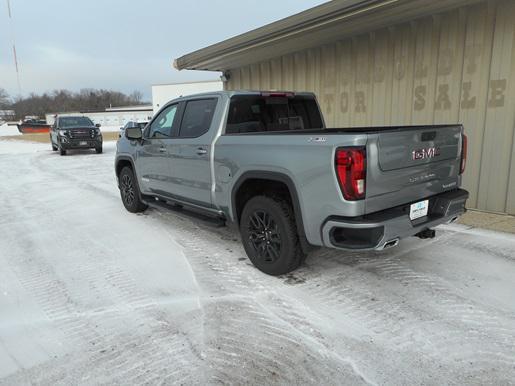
[
  {"x": 350, "y": 130},
  {"x": 405, "y": 164}
]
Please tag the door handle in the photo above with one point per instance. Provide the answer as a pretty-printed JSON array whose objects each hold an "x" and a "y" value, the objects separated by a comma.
[
  {"x": 162, "y": 149},
  {"x": 201, "y": 151}
]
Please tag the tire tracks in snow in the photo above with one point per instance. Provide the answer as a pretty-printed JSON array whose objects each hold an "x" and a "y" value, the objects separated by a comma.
[
  {"x": 342, "y": 318},
  {"x": 468, "y": 240},
  {"x": 101, "y": 349},
  {"x": 97, "y": 333},
  {"x": 425, "y": 314},
  {"x": 275, "y": 346},
  {"x": 424, "y": 311}
]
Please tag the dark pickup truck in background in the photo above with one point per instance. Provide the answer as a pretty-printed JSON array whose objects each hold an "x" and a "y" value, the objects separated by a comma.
[
  {"x": 266, "y": 163},
  {"x": 75, "y": 132}
]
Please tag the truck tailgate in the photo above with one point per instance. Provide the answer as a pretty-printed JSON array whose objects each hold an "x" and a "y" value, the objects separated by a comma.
[{"x": 409, "y": 164}]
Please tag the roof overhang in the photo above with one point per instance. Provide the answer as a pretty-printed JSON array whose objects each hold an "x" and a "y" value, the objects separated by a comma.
[{"x": 320, "y": 25}]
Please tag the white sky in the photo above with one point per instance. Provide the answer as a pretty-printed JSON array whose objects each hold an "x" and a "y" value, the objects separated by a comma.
[{"x": 119, "y": 44}]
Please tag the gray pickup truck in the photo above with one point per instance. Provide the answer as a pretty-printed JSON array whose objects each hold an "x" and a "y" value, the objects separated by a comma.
[{"x": 265, "y": 163}]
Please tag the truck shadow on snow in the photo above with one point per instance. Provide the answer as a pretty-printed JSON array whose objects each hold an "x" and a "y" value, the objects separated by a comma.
[{"x": 83, "y": 152}]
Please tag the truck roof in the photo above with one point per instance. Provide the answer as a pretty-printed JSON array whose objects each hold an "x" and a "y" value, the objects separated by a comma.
[{"x": 231, "y": 93}]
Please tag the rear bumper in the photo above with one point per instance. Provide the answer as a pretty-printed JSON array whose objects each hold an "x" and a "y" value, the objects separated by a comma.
[{"x": 373, "y": 231}]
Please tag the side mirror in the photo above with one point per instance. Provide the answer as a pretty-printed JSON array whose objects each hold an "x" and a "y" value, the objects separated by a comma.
[
  {"x": 97, "y": 125},
  {"x": 133, "y": 133}
]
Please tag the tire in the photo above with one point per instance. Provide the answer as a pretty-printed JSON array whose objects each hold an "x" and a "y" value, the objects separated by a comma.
[
  {"x": 62, "y": 151},
  {"x": 269, "y": 235},
  {"x": 98, "y": 150},
  {"x": 129, "y": 191}
]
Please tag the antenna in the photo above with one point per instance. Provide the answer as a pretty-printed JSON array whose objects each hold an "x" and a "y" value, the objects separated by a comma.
[{"x": 15, "y": 57}]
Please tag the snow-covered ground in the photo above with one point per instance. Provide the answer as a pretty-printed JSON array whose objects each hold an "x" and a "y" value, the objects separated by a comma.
[
  {"x": 91, "y": 294},
  {"x": 8, "y": 130}
]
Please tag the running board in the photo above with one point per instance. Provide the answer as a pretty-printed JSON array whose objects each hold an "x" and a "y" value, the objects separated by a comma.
[{"x": 213, "y": 217}]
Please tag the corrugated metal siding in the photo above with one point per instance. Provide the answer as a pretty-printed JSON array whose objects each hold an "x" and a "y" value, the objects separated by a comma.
[{"x": 453, "y": 67}]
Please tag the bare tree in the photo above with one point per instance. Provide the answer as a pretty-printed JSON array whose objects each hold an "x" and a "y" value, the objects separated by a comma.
[
  {"x": 59, "y": 101},
  {"x": 5, "y": 100},
  {"x": 136, "y": 96}
]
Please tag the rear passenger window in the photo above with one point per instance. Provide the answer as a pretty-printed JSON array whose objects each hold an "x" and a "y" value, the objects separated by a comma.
[
  {"x": 258, "y": 113},
  {"x": 197, "y": 117}
]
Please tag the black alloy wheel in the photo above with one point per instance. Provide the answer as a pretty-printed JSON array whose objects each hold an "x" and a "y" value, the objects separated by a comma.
[
  {"x": 264, "y": 236},
  {"x": 269, "y": 235},
  {"x": 129, "y": 191}
]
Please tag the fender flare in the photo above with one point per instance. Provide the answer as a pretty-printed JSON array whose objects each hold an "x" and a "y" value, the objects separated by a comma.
[
  {"x": 131, "y": 161},
  {"x": 273, "y": 176},
  {"x": 123, "y": 158}
]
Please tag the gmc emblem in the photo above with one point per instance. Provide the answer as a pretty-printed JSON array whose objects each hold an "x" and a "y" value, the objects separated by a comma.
[{"x": 430, "y": 152}]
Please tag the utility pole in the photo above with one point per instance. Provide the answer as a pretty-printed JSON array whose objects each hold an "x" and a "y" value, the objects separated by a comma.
[{"x": 15, "y": 56}]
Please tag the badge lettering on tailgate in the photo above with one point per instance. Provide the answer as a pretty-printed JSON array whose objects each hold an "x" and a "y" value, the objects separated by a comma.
[
  {"x": 317, "y": 139},
  {"x": 430, "y": 152}
]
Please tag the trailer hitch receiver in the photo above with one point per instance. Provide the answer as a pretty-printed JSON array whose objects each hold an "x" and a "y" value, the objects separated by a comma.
[{"x": 426, "y": 234}]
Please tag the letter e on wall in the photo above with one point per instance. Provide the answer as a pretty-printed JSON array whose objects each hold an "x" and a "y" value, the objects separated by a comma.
[{"x": 497, "y": 89}]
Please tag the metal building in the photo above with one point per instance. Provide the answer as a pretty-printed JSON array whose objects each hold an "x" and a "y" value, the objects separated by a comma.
[{"x": 395, "y": 62}]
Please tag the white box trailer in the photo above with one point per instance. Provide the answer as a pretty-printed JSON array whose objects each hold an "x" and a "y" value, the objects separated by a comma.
[{"x": 163, "y": 93}]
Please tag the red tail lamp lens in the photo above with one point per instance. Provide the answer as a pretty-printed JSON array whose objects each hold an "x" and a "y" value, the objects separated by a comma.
[{"x": 351, "y": 170}]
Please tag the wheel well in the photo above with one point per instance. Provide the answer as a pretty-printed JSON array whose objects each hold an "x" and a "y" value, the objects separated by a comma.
[
  {"x": 121, "y": 164},
  {"x": 259, "y": 187}
]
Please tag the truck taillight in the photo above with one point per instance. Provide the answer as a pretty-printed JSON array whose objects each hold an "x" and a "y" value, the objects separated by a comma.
[
  {"x": 351, "y": 170},
  {"x": 464, "y": 146}
]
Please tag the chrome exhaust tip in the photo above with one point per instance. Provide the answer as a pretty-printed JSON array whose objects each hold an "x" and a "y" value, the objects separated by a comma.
[{"x": 391, "y": 243}]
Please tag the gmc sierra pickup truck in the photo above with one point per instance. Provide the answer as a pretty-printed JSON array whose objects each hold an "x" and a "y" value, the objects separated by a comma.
[
  {"x": 77, "y": 132},
  {"x": 265, "y": 163}
]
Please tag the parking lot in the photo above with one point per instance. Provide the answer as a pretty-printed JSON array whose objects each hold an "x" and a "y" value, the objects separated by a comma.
[{"x": 90, "y": 293}]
